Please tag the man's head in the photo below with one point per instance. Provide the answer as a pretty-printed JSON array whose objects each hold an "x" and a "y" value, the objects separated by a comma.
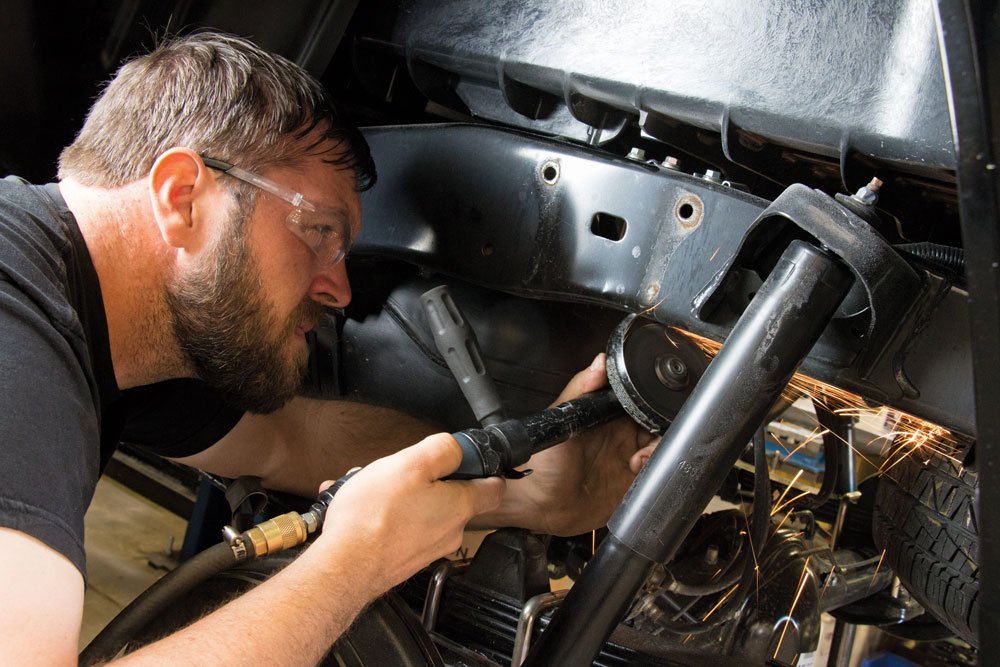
[
  {"x": 241, "y": 289},
  {"x": 218, "y": 95}
]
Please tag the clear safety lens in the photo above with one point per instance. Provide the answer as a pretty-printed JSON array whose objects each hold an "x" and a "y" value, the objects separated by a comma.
[{"x": 325, "y": 232}]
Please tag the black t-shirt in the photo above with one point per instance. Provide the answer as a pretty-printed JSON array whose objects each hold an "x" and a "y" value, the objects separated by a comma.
[{"x": 62, "y": 414}]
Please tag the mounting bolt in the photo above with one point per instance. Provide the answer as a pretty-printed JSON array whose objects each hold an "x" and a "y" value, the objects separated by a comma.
[
  {"x": 672, "y": 371},
  {"x": 711, "y": 555},
  {"x": 712, "y": 176},
  {"x": 868, "y": 195},
  {"x": 671, "y": 163},
  {"x": 637, "y": 154}
]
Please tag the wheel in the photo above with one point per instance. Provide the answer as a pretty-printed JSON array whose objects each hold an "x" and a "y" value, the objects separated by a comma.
[{"x": 925, "y": 519}]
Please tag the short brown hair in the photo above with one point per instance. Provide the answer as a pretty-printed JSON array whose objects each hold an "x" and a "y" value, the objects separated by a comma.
[{"x": 216, "y": 94}]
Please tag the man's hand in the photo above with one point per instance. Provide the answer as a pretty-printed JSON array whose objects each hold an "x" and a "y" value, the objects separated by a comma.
[
  {"x": 398, "y": 515},
  {"x": 576, "y": 485}
]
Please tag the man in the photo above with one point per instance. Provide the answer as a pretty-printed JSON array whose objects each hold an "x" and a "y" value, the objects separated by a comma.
[{"x": 163, "y": 290}]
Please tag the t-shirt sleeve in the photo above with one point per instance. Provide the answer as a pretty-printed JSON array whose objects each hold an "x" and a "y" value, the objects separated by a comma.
[{"x": 49, "y": 433}]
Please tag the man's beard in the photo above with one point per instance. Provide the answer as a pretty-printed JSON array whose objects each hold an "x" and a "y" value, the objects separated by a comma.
[{"x": 230, "y": 334}]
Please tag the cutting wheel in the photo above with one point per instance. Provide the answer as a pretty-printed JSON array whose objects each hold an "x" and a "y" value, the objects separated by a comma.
[{"x": 652, "y": 369}]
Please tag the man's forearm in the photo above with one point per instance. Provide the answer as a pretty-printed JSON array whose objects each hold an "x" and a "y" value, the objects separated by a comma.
[
  {"x": 309, "y": 441},
  {"x": 295, "y": 616}
]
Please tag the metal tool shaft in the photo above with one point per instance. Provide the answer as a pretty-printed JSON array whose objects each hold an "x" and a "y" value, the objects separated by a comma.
[{"x": 774, "y": 334}]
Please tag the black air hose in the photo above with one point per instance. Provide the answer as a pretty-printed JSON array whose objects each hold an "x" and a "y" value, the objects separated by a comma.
[
  {"x": 834, "y": 439},
  {"x": 131, "y": 620},
  {"x": 946, "y": 256}
]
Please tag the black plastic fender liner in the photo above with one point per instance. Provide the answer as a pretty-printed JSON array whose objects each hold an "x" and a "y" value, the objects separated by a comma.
[
  {"x": 531, "y": 348},
  {"x": 834, "y": 78}
]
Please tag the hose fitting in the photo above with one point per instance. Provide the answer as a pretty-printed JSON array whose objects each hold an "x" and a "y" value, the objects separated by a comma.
[{"x": 268, "y": 537}]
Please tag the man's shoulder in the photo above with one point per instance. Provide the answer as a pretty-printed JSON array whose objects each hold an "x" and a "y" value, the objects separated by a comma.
[
  {"x": 36, "y": 245},
  {"x": 30, "y": 214}
]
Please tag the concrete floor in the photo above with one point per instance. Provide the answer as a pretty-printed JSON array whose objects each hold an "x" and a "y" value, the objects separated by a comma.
[{"x": 130, "y": 543}]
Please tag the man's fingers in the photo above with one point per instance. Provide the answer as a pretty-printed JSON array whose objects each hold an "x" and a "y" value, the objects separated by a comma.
[
  {"x": 640, "y": 458},
  {"x": 438, "y": 455},
  {"x": 590, "y": 379}
]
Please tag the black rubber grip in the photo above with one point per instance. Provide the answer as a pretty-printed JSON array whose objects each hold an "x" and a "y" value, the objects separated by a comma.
[{"x": 498, "y": 449}]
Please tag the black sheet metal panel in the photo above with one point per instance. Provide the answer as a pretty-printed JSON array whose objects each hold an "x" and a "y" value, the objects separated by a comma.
[
  {"x": 834, "y": 78},
  {"x": 970, "y": 39},
  {"x": 517, "y": 213}
]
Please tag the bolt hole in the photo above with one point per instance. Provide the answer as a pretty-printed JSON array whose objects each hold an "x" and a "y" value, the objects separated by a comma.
[
  {"x": 550, "y": 172},
  {"x": 608, "y": 226},
  {"x": 688, "y": 210},
  {"x": 487, "y": 249}
]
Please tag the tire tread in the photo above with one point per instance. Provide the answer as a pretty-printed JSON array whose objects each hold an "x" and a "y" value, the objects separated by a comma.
[{"x": 925, "y": 519}]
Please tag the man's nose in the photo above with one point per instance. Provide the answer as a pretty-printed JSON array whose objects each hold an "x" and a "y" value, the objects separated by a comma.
[{"x": 330, "y": 286}]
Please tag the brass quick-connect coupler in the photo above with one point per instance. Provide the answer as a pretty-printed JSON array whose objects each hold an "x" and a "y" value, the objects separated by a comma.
[{"x": 268, "y": 537}]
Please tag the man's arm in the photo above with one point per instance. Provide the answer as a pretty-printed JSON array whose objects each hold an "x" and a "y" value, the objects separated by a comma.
[
  {"x": 309, "y": 441},
  {"x": 390, "y": 520},
  {"x": 574, "y": 488},
  {"x": 42, "y": 603},
  {"x": 387, "y": 522}
]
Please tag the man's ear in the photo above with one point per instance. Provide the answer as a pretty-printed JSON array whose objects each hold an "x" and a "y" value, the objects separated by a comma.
[{"x": 182, "y": 190}]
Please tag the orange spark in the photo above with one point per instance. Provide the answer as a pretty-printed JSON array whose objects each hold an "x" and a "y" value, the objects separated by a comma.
[
  {"x": 880, "y": 559},
  {"x": 812, "y": 436},
  {"x": 788, "y": 502},
  {"x": 827, "y": 582},
  {"x": 798, "y": 594},
  {"x": 720, "y": 602},
  {"x": 783, "y": 493}
]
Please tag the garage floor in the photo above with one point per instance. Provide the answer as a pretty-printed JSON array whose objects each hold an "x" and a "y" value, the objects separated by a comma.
[{"x": 130, "y": 543}]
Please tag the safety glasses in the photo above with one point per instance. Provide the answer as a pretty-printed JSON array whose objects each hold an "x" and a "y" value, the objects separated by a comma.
[{"x": 324, "y": 230}]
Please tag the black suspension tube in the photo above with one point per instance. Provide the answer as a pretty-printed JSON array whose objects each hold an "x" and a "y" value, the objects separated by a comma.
[
  {"x": 759, "y": 528},
  {"x": 774, "y": 334},
  {"x": 131, "y": 620}
]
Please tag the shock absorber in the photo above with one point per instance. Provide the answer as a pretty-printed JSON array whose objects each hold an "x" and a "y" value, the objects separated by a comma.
[{"x": 777, "y": 330}]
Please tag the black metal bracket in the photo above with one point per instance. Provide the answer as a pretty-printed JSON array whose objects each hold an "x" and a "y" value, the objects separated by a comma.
[{"x": 890, "y": 286}]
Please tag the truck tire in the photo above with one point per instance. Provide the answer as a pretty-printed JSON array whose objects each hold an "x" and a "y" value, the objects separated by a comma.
[{"x": 925, "y": 519}]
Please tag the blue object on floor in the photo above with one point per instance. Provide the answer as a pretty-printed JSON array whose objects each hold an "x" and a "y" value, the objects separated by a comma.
[
  {"x": 888, "y": 660},
  {"x": 800, "y": 459}
]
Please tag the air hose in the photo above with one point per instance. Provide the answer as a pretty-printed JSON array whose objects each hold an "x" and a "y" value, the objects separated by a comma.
[
  {"x": 155, "y": 599},
  {"x": 269, "y": 537}
]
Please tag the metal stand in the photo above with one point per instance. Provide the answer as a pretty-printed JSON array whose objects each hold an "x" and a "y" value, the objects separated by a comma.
[{"x": 779, "y": 327}]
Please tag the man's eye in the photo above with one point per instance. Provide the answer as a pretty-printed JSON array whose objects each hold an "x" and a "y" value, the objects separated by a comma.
[{"x": 320, "y": 232}]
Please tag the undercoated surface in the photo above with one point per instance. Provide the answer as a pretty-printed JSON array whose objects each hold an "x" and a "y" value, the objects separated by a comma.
[{"x": 130, "y": 543}]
